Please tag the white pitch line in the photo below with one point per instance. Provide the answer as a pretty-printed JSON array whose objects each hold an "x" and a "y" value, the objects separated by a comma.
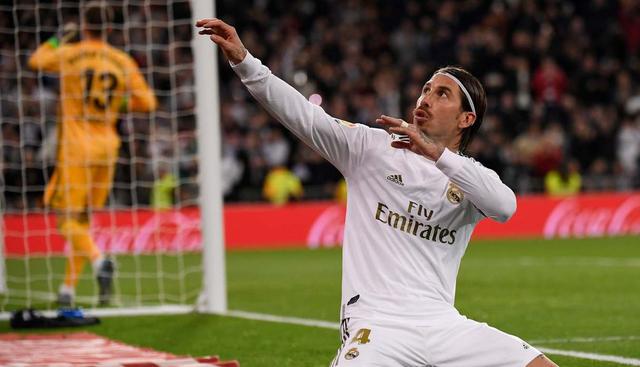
[
  {"x": 586, "y": 339},
  {"x": 282, "y": 319},
  {"x": 592, "y": 356},
  {"x": 573, "y": 261}
]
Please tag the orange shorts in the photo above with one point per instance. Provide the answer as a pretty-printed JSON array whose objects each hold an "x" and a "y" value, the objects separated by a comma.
[{"x": 78, "y": 187}]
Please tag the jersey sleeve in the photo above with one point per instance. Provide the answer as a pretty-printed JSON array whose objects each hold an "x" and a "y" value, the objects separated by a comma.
[
  {"x": 142, "y": 98},
  {"x": 482, "y": 186},
  {"x": 46, "y": 57},
  {"x": 340, "y": 142}
]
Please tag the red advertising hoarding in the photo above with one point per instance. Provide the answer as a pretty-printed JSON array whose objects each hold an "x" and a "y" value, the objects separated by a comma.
[{"x": 310, "y": 224}]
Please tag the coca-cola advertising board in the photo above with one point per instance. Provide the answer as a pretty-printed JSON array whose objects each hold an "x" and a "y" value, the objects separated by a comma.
[{"x": 314, "y": 224}]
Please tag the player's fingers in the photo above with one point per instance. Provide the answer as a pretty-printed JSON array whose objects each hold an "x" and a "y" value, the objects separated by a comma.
[
  {"x": 401, "y": 145},
  {"x": 219, "y": 25},
  {"x": 213, "y": 23},
  {"x": 401, "y": 130},
  {"x": 212, "y": 31},
  {"x": 220, "y": 41},
  {"x": 213, "y": 26},
  {"x": 202, "y": 22},
  {"x": 391, "y": 121},
  {"x": 228, "y": 33}
]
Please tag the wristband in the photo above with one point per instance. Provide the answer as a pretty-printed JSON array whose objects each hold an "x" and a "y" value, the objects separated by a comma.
[{"x": 54, "y": 42}]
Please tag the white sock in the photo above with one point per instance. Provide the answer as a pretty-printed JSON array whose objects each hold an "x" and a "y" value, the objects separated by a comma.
[
  {"x": 96, "y": 264},
  {"x": 65, "y": 289}
]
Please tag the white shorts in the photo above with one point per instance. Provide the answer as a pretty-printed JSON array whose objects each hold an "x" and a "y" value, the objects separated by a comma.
[{"x": 458, "y": 343}]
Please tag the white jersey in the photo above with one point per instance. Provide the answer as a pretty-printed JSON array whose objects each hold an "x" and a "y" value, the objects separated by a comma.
[{"x": 409, "y": 219}]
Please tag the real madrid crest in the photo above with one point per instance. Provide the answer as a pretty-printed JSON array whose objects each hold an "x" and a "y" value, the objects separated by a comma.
[
  {"x": 351, "y": 353},
  {"x": 454, "y": 194}
]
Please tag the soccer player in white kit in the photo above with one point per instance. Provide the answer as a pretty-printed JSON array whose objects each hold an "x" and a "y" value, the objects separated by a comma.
[{"x": 412, "y": 205}]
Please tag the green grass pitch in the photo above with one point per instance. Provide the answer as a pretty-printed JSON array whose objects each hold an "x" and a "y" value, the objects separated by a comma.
[{"x": 536, "y": 289}]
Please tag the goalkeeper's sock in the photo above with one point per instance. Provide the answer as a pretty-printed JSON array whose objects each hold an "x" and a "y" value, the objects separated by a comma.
[
  {"x": 66, "y": 289},
  {"x": 66, "y": 295},
  {"x": 74, "y": 267},
  {"x": 96, "y": 264},
  {"x": 82, "y": 248}
]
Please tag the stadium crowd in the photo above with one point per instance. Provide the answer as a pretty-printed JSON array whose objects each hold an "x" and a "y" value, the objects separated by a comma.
[{"x": 562, "y": 79}]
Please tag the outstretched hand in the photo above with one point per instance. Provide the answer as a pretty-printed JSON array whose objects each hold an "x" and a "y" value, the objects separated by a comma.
[
  {"x": 418, "y": 143},
  {"x": 225, "y": 36}
]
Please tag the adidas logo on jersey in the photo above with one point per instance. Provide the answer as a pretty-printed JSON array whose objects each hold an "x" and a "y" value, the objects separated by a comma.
[{"x": 396, "y": 179}]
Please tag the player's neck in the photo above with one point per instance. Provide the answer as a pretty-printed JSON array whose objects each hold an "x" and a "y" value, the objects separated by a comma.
[
  {"x": 452, "y": 144},
  {"x": 91, "y": 37}
]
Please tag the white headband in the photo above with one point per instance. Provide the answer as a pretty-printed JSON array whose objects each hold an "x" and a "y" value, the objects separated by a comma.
[{"x": 464, "y": 90}]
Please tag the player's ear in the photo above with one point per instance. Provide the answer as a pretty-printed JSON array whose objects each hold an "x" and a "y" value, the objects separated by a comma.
[{"x": 468, "y": 119}]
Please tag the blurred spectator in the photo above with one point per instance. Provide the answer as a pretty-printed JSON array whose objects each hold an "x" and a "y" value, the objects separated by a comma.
[
  {"x": 548, "y": 153},
  {"x": 232, "y": 166},
  {"x": 341, "y": 192},
  {"x": 629, "y": 18},
  {"x": 564, "y": 181},
  {"x": 583, "y": 142},
  {"x": 275, "y": 148},
  {"x": 526, "y": 145},
  {"x": 549, "y": 82},
  {"x": 164, "y": 186},
  {"x": 628, "y": 146},
  {"x": 318, "y": 175},
  {"x": 281, "y": 185}
]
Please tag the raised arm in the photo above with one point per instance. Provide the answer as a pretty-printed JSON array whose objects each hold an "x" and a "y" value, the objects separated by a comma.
[
  {"x": 340, "y": 142},
  {"x": 46, "y": 56}
]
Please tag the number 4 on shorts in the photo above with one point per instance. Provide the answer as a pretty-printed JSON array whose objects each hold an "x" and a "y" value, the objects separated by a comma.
[{"x": 362, "y": 336}]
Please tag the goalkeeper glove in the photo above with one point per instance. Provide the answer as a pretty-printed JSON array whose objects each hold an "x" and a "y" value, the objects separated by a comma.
[{"x": 69, "y": 33}]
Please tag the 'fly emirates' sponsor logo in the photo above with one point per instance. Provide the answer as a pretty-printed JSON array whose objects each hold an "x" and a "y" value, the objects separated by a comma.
[{"x": 408, "y": 223}]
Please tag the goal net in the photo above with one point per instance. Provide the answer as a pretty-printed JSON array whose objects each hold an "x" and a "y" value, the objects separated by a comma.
[{"x": 150, "y": 224}]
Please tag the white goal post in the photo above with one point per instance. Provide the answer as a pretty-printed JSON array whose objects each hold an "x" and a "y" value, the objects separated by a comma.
[{"x": 208, "y": 121}]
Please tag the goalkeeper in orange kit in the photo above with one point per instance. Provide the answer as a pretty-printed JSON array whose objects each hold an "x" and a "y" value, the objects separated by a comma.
[{"x": 97, "y": 82}]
